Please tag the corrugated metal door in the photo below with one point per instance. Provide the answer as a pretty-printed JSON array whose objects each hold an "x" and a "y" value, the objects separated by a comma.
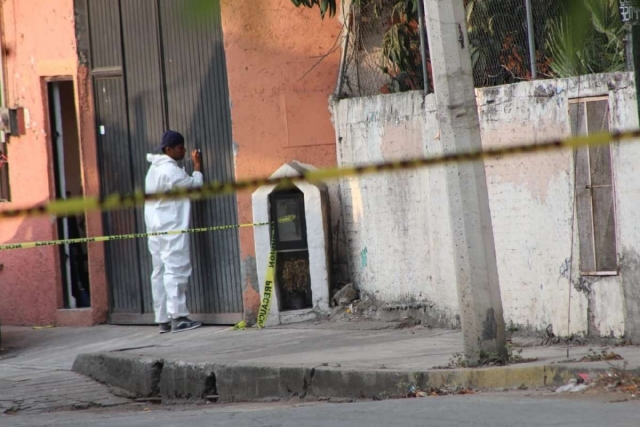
[{"x": 155, "y": 70}]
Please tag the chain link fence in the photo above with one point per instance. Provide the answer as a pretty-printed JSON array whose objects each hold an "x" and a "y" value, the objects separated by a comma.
[
  {"x": 508, "y": 39},
  {"x": 511, "y": 41}
]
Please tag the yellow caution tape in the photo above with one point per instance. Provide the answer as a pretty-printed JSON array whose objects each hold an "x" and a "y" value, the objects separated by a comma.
[
  {"x": 76, "y": 206},
  {"x": 30, "y": 245},
  {"x": 265, "y": 306}
]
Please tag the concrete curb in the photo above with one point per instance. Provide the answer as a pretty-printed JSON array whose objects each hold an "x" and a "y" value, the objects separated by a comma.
[
  {"x": 135, "y": 374},
  {"x": 180, "y": 381}
]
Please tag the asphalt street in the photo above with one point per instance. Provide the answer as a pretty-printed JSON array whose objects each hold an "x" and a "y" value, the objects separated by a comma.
[{"x": 502, "y": 410}]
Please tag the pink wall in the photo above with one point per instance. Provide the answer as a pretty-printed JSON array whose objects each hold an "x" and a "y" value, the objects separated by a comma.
[
  {"x": 278, "y": 116},
  {"x": 39, "y": 42}
]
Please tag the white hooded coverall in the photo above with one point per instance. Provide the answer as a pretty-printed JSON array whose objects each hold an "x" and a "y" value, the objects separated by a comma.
[{"x": 169, "y": 254}]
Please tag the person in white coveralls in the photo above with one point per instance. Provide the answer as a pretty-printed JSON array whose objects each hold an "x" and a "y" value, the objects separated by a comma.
[{"x": 170, "y": 253}]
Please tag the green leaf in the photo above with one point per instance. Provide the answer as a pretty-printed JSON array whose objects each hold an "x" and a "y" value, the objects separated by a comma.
[{"x": 589, "y": 39}]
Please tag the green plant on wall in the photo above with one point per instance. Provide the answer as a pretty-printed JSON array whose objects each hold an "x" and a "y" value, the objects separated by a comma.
[
  {"x": 498, "y": 38},
  {"x": 324, "y": 6},
  {"x": 490, "y": 29},
  {"x": 401, "y": 58},
  {"x": 498, "y": 56},
  {"x": 579, "y": 49},
  {"x": 400, "y": 55}
]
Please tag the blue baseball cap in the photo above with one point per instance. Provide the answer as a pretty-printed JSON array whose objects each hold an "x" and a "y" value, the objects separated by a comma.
[{"x": 170, "y": 138}]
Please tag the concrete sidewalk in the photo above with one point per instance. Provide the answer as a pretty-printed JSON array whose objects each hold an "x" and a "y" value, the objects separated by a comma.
[
  {"x": 36, "y": 376},
  {"x": 330, "y": 360}
]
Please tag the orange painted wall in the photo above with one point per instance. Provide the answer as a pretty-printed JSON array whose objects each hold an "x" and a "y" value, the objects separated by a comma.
[
  {"x": 278, "y": 113},
  {"x": 40, "y": 43}
]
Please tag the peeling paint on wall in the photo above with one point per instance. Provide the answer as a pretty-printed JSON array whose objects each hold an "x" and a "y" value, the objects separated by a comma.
[
  {"x": 403, "y": 223},
  {"x": 363, "y": 258},
  {"x": 631, "y": 288}
]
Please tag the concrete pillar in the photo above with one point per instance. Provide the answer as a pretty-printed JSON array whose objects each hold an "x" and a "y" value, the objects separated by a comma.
[{"x": 475, "y": 256}]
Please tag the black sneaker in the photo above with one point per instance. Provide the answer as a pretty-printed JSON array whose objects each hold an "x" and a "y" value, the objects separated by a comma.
[
  {"x": 165, "y": 327},
  {"x": 182, "y": 324}
]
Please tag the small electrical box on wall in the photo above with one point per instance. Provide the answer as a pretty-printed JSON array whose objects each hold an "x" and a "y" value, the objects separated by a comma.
[{"x": 12, "y": 121}]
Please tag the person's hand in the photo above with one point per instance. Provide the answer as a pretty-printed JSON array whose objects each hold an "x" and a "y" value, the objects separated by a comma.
[{"x": 196, "y": 157}]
